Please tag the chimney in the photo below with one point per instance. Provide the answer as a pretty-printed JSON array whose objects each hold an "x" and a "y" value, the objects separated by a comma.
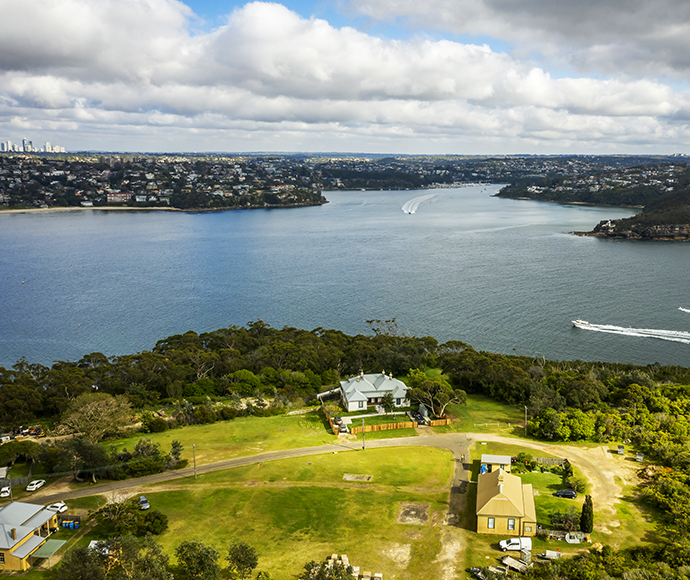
[{"x": 13, "y": 533}]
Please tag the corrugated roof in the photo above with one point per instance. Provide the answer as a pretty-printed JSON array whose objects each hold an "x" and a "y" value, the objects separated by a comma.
[
  {"x": 17, "y": 513},
  {"x": 528, "y": 502},
  {"x": 49, "y": 548},
  {"x": 496, "y": 459},
  {"x": 29, "y": 546},
  {"x": 373, "y": 385},
  {"x": 6, "y": 541},
  {"x": 499, "y": 494},
  {"x": 40, "y": 518}
]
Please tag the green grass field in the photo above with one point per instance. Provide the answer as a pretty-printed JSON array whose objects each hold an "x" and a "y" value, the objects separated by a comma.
[
  {"x": 240, "y": 437},
  {"x": 301, "y": 509},
  {"x": 480, "y": 415}
]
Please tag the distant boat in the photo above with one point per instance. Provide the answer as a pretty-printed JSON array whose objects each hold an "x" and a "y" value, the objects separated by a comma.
[{"x": 579, "y": 323}]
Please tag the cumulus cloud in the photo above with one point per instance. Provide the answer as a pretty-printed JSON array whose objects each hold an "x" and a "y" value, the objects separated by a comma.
[
  {"x": 610, "y": 36},
  {"x": 133, "y": 67}
]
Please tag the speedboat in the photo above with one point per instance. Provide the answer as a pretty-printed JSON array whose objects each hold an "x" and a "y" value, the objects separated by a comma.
[{"x": 579, "y": 323}]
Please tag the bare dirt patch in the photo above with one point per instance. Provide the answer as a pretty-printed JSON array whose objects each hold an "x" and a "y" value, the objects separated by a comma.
[
  {"x": 357, "y": 477},
  {"x": 451, "y": 548},
  {"x": 399, "y": 553},
  {"x": 413, "y": 513}
]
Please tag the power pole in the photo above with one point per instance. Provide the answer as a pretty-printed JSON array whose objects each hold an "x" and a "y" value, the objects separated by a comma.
[
  {"x": 363, "y": 434},
  {"x": 194, "y": 455},
  {"x": 525, "y": 420}
]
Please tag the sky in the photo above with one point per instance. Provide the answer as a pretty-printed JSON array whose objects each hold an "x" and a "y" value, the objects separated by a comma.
[{"x": 376, "y": 76}]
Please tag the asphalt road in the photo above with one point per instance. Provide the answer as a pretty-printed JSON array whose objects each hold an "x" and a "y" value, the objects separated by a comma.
[{"x": 455, "y": 442}]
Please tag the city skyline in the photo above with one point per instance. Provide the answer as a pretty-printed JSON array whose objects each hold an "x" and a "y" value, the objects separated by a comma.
[
  {"x": 381, "y": 76},
  {"x": 27, "y": 146}
]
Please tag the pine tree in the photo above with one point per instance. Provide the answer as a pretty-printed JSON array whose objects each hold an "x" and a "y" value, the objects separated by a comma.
[{"x": 587, "y": 516}]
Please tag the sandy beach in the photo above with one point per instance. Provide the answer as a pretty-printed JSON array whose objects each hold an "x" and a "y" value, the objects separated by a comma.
[{"x": 80, "y": 208}]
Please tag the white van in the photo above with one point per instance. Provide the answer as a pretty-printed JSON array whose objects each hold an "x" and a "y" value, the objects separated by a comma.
[{"x": 516, "y": 544}]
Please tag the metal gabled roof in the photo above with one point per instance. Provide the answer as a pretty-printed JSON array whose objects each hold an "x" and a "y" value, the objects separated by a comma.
[
  {"x": 17, "y": 513},
  {"x": 27, "y": 547},
  {"x": 500, "y": 494}
]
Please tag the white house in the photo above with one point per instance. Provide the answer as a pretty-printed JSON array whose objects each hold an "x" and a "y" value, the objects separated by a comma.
[{"x": 359, "y": 391}]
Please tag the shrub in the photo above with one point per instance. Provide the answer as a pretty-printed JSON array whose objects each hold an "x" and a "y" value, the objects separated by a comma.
[
  {"x": 158, "y": 425},
  {"x": 228, "y": 413},
  {"x": 576, "y": 483}
]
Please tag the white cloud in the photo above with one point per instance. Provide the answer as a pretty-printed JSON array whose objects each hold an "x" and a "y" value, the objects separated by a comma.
[
  {"x": 131, "y": 69},
  {"x": 609, "y": 36}
]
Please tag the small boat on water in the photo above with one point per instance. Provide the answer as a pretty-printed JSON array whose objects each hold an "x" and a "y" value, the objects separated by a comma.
[{"x": 579, "y": 323}]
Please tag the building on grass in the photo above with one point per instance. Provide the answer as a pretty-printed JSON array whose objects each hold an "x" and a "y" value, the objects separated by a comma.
[
  {"x": 505, "y": 505},
  {"x": 490, "y": 463},
  {"x": 362, "y": 390},
  {"x": 24, "y": 528}
]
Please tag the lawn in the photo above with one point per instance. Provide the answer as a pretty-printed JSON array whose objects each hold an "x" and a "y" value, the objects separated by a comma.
[
  {"x": 423, "y": 466},
  {"x": 480, "y": 415},
  {"x": 240, "y": 437},
  {"x": 293, "y": 512}
]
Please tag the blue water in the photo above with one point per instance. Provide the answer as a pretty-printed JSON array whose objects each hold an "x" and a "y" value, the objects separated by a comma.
[{"x": 501, "y": 275}]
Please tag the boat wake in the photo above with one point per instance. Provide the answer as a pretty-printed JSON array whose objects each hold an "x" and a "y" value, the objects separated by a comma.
[
  {"x": 684, "y": 309},
  {"x": 411, "y": 205},
  {"x": 672, "y": 335}
]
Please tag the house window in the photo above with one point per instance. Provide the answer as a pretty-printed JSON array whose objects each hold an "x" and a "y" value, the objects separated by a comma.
[
  {"x": 492, "y": 523},
  {"x": 2, "y": 557},
  {"x": 361, "y": 404},
  {"x": 511, "y": 524},
  {"x": 397, "y": 402},
  {"x": 528, "y": 528}
]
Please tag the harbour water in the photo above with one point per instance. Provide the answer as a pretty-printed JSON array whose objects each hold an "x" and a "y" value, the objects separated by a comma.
[{"x": 502, "y": 275}]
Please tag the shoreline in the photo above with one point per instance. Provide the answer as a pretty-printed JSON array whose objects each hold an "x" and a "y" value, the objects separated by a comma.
[
  {"x": 583, "y": 203},
  {"x": 132, "y": 208}
]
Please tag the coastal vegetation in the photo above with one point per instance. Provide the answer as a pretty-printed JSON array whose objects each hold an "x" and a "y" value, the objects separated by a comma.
[{"x": 239, "y": 382}]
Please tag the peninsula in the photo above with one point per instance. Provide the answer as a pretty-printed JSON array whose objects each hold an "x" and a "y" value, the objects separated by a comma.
[{"x": 660, "y": 190}]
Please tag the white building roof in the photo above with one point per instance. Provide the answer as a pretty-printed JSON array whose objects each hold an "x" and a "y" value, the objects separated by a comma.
[
  {"x": 496, "y": 459},
  {"x": 24, "y": 518},
  {"x": 363, "y": 387}
]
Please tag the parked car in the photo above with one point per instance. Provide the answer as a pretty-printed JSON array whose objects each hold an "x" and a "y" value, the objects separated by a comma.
[
  {"x": 35, "y": 484},
  {"x": 5, "y": 491},
  {"x": 59, "y": 507},
  {"x": 516, "y": 544},
  {"x": 569, "y": 493},
  {"x": 143, "y": 503},
  {"x": 343, "y": 428}
]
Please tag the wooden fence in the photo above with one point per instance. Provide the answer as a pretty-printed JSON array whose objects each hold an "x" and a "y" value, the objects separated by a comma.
[
  {"x": 383, "y": 427},
  {"x": 440, "y": 422},
  {"x": 331, "y": 422}
]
